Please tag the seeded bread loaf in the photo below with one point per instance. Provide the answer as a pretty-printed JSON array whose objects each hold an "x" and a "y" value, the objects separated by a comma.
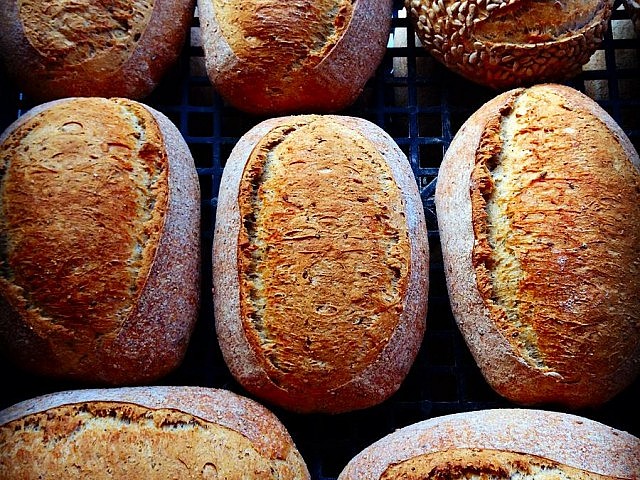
[
  {"x": 508, "y": 43},
  {"x": 146, "y": 432},
  {"x": 61, "y": 48},
  {"x": 99, "y": 258},
  {"x": 538, "y": 202},
  {"x": 272, "y": 57},
  {"x": 501, "y": 444},
  {"x": 320, "y": 263}
]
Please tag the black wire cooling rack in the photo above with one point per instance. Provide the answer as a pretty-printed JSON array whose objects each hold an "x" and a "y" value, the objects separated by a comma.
[{"x": 421, "y": 105}]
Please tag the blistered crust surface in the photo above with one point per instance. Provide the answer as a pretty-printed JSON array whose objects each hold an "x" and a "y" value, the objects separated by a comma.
[
  {"x": 324, "y": 254},
  {"x": 547, "y": 192},
  {"x": 67, "y": 33},
  {"x": 78, "y": 180},
  {"x": 306, "y": 29}
]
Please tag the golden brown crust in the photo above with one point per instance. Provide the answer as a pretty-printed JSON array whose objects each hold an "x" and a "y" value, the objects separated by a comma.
[
  {"x": 271, "y": 57},
  {"x": 288, "y": 331},
  {"x": 60, "y": 50},
  {"x": 504, "y": 443},
  {"x": 503, "y": 44},
  {"x": 532, "y": 184},
  {"x": 124, "y": 188},
  {"x": 148, "y": 432}
]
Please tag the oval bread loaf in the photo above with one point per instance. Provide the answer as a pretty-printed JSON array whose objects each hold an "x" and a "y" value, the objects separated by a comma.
[
  {"x": 122, "y": 48},
  {"x": 320, "y": 263},
  {"x": 100, "y": 251},
  {"x": 146, "y": 432},
  {"x": 538, "y": 203},
  {"x": 501, "y": 444},
  {"x": 271, "y": 57},
  {"x": 509, "y": 43}
]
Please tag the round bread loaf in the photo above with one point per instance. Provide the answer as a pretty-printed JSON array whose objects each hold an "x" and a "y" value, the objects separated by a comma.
[
  {"x": 63, "y": 48},
  {"x": 320, "y": 263},
  {"x": 272, "y": 57},
  {"x": 508, "y": 43},
  {"x": 100, "y": 251},
  {"x": 538, "y": 202},
  {"x": 501, "y": 444},
  {"x": 146, "y": 432}
]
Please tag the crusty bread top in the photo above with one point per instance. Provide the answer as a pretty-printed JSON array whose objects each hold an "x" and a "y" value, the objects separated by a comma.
[
  {"x": 324, "y": 254},
  {"x": 538, "y": 204},
  {"x": 312, "y": 29},
  {"x": 62, "y": 48},
  {"x": 507, "y": 43},
  {"x": 538, "y": 444},
  {"x": 146, "y": 432},
  {"x": 323, "y": 217},
  {"x": 144, "y": 175},
  {"x": 101, "y": 36},
  {"x": 80, "y": 180},
  {"x": 300, "y": 56}
]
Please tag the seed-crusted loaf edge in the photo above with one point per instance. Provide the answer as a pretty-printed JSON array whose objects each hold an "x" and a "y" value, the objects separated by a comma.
[
  {"x": 222, "y": 407},
  {"x": 153, "y": 340},
  {"x": 506, "y": 372},
  {"x": 561, "y": 437},
  {"x": 502, "y": 65},
  {"x": 382, "y": 378},
  {"x": 336, "y": 81},
  {"x": 152, "y": 55}
]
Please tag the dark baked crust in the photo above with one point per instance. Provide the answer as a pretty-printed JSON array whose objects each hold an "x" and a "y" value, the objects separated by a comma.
[
  {"x": 148, "y": 338},
  {"x": 551, "y": 362},
  {"x": 279, "y": 81},
  {"x": 477, "y": 441},
  {"x": 130, "y": 69},
  {"x": 367, "y": 384},
  {"x": 179, "y": 412},
  {"x": 505, "y": 44}
]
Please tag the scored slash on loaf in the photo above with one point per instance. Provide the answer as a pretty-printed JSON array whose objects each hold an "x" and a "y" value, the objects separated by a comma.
[
  {"x": 500, "y": 443},
  {"x": 150, "y": 433},
  {"x": 100, "y": 251},
  {"x": 272, "y": 57},
  {"x": 320, "y": 263},
  {"x": 538, "y": 202},
  {"x": 121, "y": 48}
]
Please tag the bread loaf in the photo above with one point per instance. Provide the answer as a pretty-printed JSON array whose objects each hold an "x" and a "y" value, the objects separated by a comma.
[
  {"x": 320, "y": 263},
  {"x": 100, "y": 256},
  {"x": 501, "y": 444},
  {"x": 63, "y": 48},
  {"x": 270, "y": 57},
  {"x": 538, "y": 203},
  {"x": 146, "y": 432},
  {"x": 509, "y": 43}
]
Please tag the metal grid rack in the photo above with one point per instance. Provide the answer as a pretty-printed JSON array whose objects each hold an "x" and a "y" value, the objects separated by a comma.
[{"x": 421, "y": 105}]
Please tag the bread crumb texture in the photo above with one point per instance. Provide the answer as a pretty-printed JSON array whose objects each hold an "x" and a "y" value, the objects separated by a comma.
[
  {"x": 83, "y": 194},
  {"x": 476, "y": 464},
  {"x": 324, "y": 254},
  {"x": 69, "y": 33},
  {"x": 280, "y": 38},
  {"x": 107, "y": 440},
  {"x": 503, "y": 43},
  {"x": 556, "y": 216}
]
